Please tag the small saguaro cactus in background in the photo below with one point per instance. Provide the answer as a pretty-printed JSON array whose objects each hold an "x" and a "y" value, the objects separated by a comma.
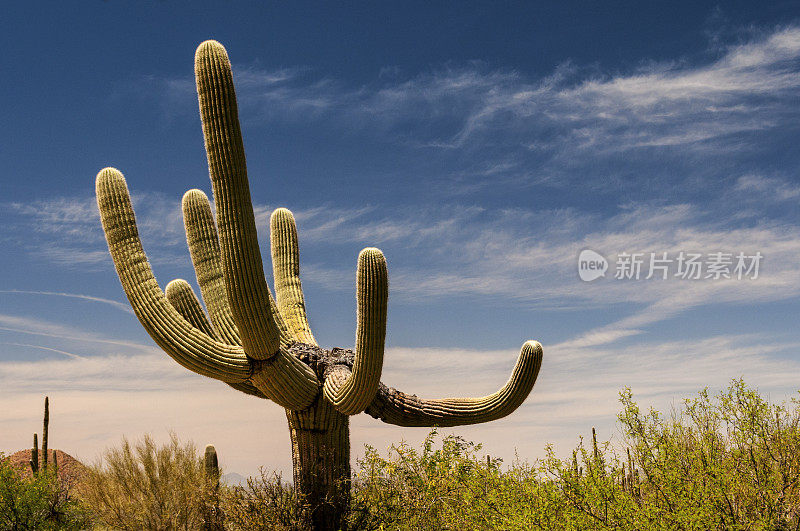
[
  {"x": 45, "y": 428},
  {"x": 264, "y": 346},
  {"x": 35, "y": 455},
  {"x": 211, "y": 464},
  {"x": 212, "y": 516},
  {"x": 34, "y": 461}
]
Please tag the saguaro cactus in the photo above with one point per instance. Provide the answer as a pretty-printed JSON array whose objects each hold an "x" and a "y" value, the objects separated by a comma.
[
  {"x": 34, "y": 460},
  {"x": 212, "y": 518},
  {"x": 211, "y": 464},
  {"x": 264, "y": 346},
  {"x": 45, "y": 430}
]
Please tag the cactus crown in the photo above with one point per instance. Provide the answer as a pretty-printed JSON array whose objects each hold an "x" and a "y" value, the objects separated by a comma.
[{"x": 246, "y": 338}]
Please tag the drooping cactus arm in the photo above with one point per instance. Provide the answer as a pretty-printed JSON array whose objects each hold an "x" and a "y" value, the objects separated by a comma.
[
  {"x": 395, "y": 407},
  {"x": 181, "y": 296},
  {"x": 201, "y": 237},
  {"x": 243, "y": 271},
  {"x": 185, "y": 344},
  {"x": 286, "y": 271},
  {"x": 351, "y": 392}
]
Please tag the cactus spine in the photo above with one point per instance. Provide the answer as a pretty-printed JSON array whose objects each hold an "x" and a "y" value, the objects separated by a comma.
[{"x": 264, "y": 346}]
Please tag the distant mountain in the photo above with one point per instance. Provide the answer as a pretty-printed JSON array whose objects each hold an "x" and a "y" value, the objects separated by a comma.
[{"x": 233, "y": 479}]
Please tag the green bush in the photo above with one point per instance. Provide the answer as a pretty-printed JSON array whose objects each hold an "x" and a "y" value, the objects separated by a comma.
[
  {"x": 729, "y": 462},
  {"x": 42, "y": 501},
  {"x": 145, "y": 486},
  {"x": 446, "y": 488}
]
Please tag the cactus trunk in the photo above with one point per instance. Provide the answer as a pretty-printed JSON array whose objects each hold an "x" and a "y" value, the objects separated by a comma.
[{"x": 321, "y": 465}]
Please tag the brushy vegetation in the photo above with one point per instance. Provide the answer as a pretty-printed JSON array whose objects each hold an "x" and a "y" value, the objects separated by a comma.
[
  {"x": 265, "y": 502},
  {"x": 146, "y": 486},
  {"x": 731, "y": 461},
  {"x": 43, "y": 501}
]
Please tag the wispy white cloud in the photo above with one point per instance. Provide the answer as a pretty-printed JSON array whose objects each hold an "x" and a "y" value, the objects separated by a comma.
[
  {"x": 514, "y": 128},
  {"x": 48, "y": 349},
  {"x": 116, "y": 304},
  {"x": 768, "y": 187},
  {"x": 67, "y": 230},
  {"x": 506, "y": 253},
  {"x": 32, "y": 326}
]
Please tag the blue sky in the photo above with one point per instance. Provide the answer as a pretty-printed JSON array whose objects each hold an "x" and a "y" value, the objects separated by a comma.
[{"x": 480, "y": 146}]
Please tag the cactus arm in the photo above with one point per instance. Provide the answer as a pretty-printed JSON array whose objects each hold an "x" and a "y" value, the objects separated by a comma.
[
  {"x": 352, "y": 393},
  {"x": 395, "y": 407},
  {"x": 181, "y": 296},
  {"x": 201, "y": 237},
  {"x": 284, "y": 379},
  {"x": 286, "y": 271},
  {"x": 188, "y": 346},
  {"x": 243, "y": 272}
]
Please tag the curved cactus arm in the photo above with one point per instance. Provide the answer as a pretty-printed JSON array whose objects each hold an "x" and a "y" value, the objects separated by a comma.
[
  {"x": 351, "y": 392},
  {"x": 201, "y": 237},
  {"x": 181, "y": 296},
  {"x": 286, "y": 271},
  {"x": 395, "y": 407},
  {"x": 243, "y": 272},
  {"x": 287, "y": 381},
  {"x": 177, "y": 337}
]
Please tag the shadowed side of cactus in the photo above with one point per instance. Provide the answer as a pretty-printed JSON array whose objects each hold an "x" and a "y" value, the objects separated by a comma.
[{"x": 264, "y": 346}]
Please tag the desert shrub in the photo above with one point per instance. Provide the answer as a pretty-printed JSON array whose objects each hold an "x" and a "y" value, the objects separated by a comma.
[
  {"x": 725, "y": 462},
  {"x": 264, "y": 502},
  {"x": 42, "y": 501},
  {"x": 451, "y": 487},
  {"x": 145, "y": 486}
]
